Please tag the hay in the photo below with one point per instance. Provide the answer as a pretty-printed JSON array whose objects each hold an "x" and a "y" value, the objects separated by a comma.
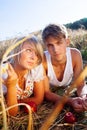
[{"x": 20, "y": 122}]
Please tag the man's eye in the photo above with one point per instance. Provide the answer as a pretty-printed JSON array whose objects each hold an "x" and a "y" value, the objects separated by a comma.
[
  {"x": 49, "y": 45},
  {"x": 59, "y": 43}
]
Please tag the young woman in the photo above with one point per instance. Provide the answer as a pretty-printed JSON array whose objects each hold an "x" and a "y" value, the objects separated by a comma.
[{"x": 24, "y": 80}]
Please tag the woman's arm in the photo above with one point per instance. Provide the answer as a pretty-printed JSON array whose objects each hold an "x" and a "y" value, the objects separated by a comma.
[{"x": 11, "y": 96}]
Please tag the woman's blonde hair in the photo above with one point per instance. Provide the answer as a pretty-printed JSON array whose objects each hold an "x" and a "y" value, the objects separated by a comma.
[{"x": 36, "y": 44}]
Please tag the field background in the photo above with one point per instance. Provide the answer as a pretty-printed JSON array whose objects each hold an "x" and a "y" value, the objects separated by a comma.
[{"x": 79, "y": 40}]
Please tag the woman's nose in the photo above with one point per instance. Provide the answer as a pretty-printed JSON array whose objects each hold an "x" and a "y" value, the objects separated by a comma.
[{"x": 32, "y": 55}]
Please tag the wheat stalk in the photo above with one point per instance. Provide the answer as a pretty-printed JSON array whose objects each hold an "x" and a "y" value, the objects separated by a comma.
[
  {"x": 2, "y": 103},
  {"x": 30, "y": 120}
]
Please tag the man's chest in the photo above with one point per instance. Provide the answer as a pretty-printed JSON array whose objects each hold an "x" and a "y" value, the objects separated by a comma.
[{"x": 59, "y": 71}]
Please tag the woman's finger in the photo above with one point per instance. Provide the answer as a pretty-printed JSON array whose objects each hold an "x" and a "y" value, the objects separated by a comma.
[{"x": 1, "y": 80}]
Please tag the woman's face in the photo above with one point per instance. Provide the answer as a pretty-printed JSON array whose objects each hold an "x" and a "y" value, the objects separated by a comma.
[{"x": 28, "y": 59}]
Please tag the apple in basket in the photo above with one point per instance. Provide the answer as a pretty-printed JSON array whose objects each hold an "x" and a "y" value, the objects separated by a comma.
[
  {"x": 32, "y": 105},
  {"x": 70, "y": 118}
]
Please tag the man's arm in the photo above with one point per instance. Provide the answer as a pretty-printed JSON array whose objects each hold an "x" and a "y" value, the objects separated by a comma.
[
  {"x": 48, "y": 94},
  {"x": 77, "y": 68}
]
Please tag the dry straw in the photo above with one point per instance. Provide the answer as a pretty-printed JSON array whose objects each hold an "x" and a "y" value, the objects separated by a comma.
[{"x": 30, "y": 121}]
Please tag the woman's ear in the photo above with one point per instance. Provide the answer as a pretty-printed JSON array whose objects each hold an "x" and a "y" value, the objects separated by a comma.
[{"x": 68, "y": 41}]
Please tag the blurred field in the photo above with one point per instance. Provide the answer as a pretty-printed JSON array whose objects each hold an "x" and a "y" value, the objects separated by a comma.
[
  {"x": 20, "y": 122},
  {"x": 79, "y": 40}
]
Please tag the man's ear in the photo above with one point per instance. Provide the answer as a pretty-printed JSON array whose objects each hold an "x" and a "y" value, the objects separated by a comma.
[{"x": 68, "y": 41}]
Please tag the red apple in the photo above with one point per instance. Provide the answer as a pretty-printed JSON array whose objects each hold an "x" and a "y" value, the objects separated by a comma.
[
  {"x": 70, "y": 118},
  {"x": 32, "y": 105}
]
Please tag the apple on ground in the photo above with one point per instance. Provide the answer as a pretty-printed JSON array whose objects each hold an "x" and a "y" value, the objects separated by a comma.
[{"x": 70, "y": 117}]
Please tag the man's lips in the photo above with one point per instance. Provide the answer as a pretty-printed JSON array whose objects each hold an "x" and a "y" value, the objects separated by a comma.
[{"x": 57, "y": 55}]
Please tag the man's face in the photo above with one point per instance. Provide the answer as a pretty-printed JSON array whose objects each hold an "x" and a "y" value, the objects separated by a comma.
[{"x": 56, "y": 48}]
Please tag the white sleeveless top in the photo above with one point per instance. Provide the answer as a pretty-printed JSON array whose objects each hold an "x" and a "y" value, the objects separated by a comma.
[{"x": 68, "y": 73}]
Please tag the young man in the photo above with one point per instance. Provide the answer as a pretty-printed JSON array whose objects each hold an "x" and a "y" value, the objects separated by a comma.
[{"x": 62, "y": 65}]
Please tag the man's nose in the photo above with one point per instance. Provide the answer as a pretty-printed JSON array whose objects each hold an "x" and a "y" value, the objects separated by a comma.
[{"x": 56, "y": 48}]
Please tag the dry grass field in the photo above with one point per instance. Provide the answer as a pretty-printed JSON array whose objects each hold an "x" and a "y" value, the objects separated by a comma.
[{"x": 20, "y": 122}]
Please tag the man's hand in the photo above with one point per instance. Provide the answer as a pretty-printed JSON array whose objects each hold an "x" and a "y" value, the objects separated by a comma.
[
  {"x": 76, "y": 103},
  {"x": 84, "y": 103}
]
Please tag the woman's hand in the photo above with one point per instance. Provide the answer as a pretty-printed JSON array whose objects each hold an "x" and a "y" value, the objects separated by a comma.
[
  {"x": 12, "y": 76},
  {"x": 11, "y": 94}
]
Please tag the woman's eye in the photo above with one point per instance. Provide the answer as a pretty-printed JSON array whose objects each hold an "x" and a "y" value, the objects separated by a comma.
[{"x": 28, "y": 50}]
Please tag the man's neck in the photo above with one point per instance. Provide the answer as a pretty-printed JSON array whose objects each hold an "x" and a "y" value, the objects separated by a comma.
[{"x": 58, "y": 63}]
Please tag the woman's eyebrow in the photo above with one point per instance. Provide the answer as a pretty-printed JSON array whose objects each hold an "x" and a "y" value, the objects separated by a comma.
[{"x": 7, "y": 58}]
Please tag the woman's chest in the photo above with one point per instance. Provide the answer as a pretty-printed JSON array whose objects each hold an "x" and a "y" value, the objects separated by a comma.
[{"x": 25, "y": 88}]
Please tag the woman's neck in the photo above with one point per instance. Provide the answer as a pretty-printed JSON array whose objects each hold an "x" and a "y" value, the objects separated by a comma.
[{"x": 20, "y": 70}]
